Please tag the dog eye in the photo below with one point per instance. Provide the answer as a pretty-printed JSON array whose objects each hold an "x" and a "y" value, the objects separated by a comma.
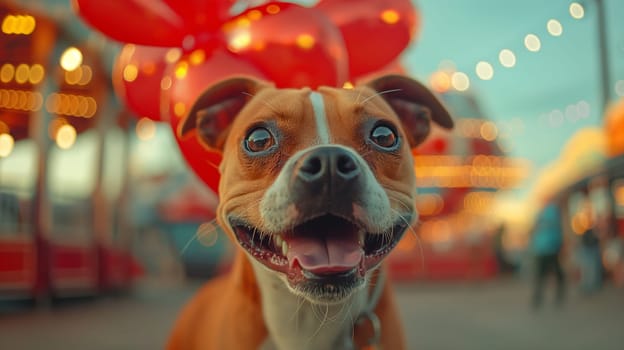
[
  {"x": 384, "y": 136},
  {"x": 258, "y": 140}
]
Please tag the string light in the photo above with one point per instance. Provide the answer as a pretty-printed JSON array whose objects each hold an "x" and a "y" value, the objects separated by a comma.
[
  {"x": 554, "y": 27},
  {"x": 36, "y": 74},
  {"x": 488, "y": 131},
  {"x": 23, "y": 25},
  {"x": 20, "y": 100},
  {"x": 576, "y": 10},
  {"x": 6, "y": 72},
  {"x": 484, "y": 70},
  {"x": 460, "y": 81},
  {"x": 532, "y": 42},
  {"x": 480, "y": 171},
  {"x": 22, "y": 74},
  {"x": 71, "y": 105},
  {"x": 572, "y": 113},
  {"x": 507, "y": 58}
]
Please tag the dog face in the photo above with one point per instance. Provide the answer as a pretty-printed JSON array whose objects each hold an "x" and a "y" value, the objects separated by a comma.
[{"x": 317, "y": 186}]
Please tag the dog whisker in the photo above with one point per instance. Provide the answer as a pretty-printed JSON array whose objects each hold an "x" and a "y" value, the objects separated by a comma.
[
  {"x": 379, "y": 94},
  {"x": 420, "y": 244},
  {"x": 399, "y": 201},
  {"x": 300, "y": 302},
  {"x": 321, "y": 323},
  {"x": 410, "y": 229},
  {"x": 357, "y": 98}
]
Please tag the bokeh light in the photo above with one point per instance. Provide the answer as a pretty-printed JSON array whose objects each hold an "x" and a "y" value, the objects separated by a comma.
[
  {"x": 36, "y": 74},
  {"x": 532, "y": 42},
  {"x": 390, "y": 16},
  {"x": 507, "y": 58},
  {"x": 19, "y": 24},
  {"x": 576, "y": 10},
  {"x": 489, "y": 131},
  {"x": 6, "y": 144},
  {"x": 145, "y": 129},
  {"x": 484, "y": 70},
  {"x": 460, "y": 81},
  {"x": 71, "y": 59},
  {"x": 554, "y": 27},
  {"x": 440, "y": 81},
  {"x": 130, "y": 73},
  {"x": 66, "y": 136},
  {"x": 7, "y": 72},
  {"x": 619, "y": 88}
]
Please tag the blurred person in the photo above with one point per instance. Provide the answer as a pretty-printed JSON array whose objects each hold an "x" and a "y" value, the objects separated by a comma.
[
  {"x": 590, "y": 261},
  {"x": 614, "y": 259},
  {"x": 546, "y": 244},
  {"x": 503, "y": 265},
  {"x": 589, "y": 253}
]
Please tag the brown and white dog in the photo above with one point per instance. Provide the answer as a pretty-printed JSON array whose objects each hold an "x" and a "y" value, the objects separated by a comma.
[{"x": 317, "y": 187}]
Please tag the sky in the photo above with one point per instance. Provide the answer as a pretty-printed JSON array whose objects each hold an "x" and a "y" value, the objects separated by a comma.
[{"x": 562, "y": 75}]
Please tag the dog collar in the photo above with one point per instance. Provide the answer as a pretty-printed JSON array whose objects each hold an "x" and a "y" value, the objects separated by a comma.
[{"x": 369, "y": 316}]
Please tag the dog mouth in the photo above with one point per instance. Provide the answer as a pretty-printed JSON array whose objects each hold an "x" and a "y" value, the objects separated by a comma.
[{"x": 325, "y": 248}]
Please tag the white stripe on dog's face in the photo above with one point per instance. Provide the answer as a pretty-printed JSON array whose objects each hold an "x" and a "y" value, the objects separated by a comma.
[{"x": 321, "y": 118}]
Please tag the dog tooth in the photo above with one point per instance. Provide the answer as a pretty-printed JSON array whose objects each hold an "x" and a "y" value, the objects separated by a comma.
[
  {"x": 361, "y": 237},
  {"x": 284, "y": 248},
  {"x": 278, "y": 241}
]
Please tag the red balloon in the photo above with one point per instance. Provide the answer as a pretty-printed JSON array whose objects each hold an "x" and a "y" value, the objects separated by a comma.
[
  {"x": 202, "y": 16},
  {"x": 132, "y": 21},
  {"x": 375, "y": 31},
  {"x": 169, "y": 23},
  {"x": 293, "y": 45},
  {"x": 137, "y": 76},
  {"x": 188, "y": 78}
]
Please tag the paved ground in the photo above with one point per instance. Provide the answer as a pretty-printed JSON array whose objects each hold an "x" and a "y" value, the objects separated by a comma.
[
  {"x": 449, "y": 316},
  {"x": 496, "y": 315}
]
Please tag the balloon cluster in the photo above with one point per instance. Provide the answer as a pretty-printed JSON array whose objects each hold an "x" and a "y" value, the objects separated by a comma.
[{"x": 176, "y": 49}]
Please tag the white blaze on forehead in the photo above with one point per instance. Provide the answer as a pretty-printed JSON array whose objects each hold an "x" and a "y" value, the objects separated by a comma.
[{"x": 321, "y": 119}]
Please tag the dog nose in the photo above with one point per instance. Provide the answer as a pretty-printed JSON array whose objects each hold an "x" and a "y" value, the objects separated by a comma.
[
  {"x": 327, "y": 179},
  {"x": 332, "y": 165}
]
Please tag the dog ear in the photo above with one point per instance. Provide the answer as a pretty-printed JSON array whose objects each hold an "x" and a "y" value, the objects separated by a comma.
[
  {"x": 215, "y": 109},
  {"x": 413, "y": 103}
]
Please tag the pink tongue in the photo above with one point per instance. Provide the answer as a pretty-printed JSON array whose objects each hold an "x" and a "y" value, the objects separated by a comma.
[{"x": 323, "y": 255}]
